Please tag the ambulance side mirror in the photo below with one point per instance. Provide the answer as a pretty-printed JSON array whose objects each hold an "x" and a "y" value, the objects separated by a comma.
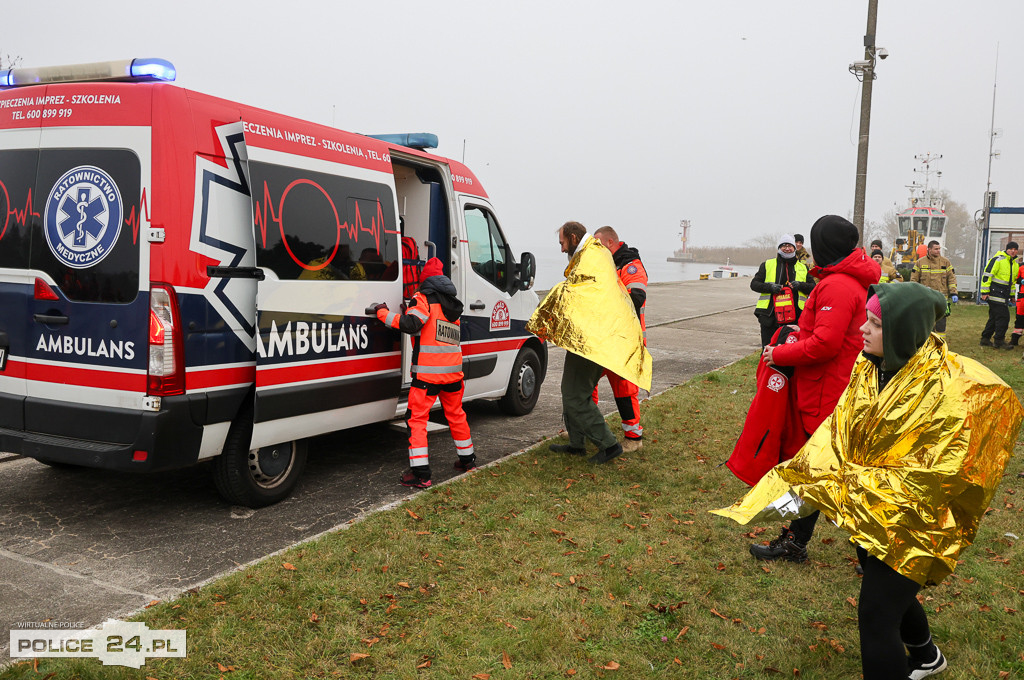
[{"x": 527, "y": 271}]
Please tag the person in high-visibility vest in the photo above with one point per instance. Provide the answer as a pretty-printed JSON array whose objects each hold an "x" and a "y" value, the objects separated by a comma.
[
  {"x": 783, "y": 270},
  {"x": 889, "y": 273},
  {"x": 634, "y": 277},
  {"x": 432, "y": 319},
  {"x": 997, "y": 285}
]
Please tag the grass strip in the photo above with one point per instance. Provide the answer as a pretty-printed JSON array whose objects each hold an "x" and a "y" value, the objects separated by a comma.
[{"x": 545, "y": 566}]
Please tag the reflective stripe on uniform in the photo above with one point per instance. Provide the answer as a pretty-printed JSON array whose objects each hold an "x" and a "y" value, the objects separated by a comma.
[
  {"x": 633, "y": 429},
  {"x": 390, "y": 321},
  {"x": 637, "y": 285},
  {"x": 464, "y": 446},
  {"x": 416, "y": 311},
  {"x": 418, "y": 456},
  {"x": 436, "y": 369},
  {"x": 440, "y": 349}
]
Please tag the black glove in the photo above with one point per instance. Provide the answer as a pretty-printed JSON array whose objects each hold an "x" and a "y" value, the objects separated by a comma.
[
  {"x": 379, "y": 306},
  {"x": 776, "y": 288}
]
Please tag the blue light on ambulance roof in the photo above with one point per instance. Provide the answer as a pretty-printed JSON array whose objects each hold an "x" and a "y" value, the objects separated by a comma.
[
  {"x": 5, "y": 78},
  {"x": 154, "y": 69},
  {"x": 413, "y": 140}
]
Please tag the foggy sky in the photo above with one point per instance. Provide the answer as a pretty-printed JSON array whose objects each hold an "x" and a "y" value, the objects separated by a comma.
[{"x": 739, "y": 116}]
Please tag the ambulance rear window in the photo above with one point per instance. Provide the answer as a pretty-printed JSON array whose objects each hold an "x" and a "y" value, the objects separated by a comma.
[
  {"x": 85, "y": 230},
  {"x": 315, "y": 226}
]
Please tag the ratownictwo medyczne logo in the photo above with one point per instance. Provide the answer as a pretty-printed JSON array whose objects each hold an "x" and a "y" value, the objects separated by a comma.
[{"x": 83, "y": 216}]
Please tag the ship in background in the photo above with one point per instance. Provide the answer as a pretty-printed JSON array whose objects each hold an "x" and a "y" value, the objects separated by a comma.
[
  {"x": 924, "y": 219},
  {"x": 682, "y": 254}
]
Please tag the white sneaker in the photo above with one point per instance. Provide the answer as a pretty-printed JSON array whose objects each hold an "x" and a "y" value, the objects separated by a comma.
[{"x": 923, "y": 670}]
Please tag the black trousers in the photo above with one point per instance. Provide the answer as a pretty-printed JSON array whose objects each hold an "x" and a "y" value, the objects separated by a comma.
[
  {"x": 803, "y": 528},
  {"x": 768, "y": 327},
  {"x": 998, "y": 321},
  {"x": 891, "y": 620}
]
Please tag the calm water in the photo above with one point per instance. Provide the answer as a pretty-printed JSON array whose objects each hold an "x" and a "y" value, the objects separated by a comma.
[{"x": 549, "y": 270}]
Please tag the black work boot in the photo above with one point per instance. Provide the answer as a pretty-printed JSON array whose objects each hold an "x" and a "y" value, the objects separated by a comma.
[
  {"x": 785, "y": 547},
  {"x": 1014, "y": 339},
  {"x": 998, "y": 343},
  {"x": 985, "y": 342},
  {"x": 605, "y": 455},
  {"x": 466, "y": 463}
]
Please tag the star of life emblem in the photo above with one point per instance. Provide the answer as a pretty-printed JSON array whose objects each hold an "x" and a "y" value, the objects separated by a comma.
[
  {"x": 776, "y": 382},
  {"x": 83, "y": 216}
]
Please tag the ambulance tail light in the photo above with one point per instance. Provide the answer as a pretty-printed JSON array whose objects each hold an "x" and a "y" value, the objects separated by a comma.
[
  {"x": 43, "y": 291},
  {"x": 166, "y": 346}
]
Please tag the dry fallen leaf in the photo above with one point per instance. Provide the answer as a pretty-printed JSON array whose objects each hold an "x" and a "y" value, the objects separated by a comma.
[
  {"x": 482, "y": 676},
  {"x": 611, "y": 666},
  {"x": 717, "y": 646},
  {"x": 425, "y": 664},
  {"x": 403, "y": 584},
  {"x": 289, "y": 566},
  {"x": 314, "y": 617},
  {"x": 571, "y": 672},
  {"x": 682, "y": 631},
  {"x": 151, "y": 603},
  {"x": 506, "y": 661},
  {"x": 221, "y": 667},
  {"x": 412, "y": 514},
  {"x": 853, "y": 602},
  {"x": 357, "y": 656}
]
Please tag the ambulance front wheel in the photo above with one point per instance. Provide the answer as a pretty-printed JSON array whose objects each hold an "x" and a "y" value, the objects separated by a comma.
[
  {"x": 524, "y": 384},
  {"x": 259, "y": 477}
]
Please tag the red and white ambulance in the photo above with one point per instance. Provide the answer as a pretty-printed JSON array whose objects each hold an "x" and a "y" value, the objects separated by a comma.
[{"x": 184, "y": 277}]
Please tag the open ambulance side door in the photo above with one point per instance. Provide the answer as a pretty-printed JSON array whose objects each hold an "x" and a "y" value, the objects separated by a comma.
[{"x": 328, "y": 246}]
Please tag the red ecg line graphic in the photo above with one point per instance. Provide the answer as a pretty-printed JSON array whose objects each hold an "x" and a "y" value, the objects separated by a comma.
[
  {"x": 261, "y": 216},
  {"x": 19, "y": 215},
  {"x": 133, "y": 221}
]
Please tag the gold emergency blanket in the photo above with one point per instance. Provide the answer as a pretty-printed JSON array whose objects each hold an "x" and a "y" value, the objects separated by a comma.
[
  {"x": 591, "y": 314},
  {"x": 910, "y": 472}
]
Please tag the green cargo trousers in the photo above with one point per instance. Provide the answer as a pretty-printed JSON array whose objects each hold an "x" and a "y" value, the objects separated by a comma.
[{"x": 583, "y": 420}]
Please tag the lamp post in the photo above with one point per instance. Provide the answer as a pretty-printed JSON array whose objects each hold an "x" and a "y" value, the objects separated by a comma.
[{"x": 864, "y": 71}]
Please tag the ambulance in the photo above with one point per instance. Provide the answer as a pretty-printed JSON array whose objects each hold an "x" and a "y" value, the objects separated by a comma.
[{"x": 185, "y": 278}]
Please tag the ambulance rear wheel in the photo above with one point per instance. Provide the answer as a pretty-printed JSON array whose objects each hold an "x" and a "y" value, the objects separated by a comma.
[
  {"x": 523, "y": 385},
  {"x": 259, "y": 477}
]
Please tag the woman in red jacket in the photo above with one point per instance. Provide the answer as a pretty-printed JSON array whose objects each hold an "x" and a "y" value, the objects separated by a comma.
[{"x": 823, "y": 357}]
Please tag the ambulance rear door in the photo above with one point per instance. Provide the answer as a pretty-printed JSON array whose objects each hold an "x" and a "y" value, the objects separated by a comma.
[
  {"x": 19, "y": 157},
  {"x": 88, "y": 347},
  {"x": 328, "y": 246}
]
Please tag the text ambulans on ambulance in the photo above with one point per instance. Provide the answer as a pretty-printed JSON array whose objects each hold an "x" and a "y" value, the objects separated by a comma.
[{"x": 184, "y": 277}]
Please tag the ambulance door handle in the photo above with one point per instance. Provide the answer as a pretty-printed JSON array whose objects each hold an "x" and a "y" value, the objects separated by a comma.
[
  {"x": 235, "y": 273},
  {"x": 479, "y": 304},
  {"x": 51, "y": 319}
]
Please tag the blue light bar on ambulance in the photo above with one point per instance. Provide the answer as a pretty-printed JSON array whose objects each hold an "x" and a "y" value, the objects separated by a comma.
[
  {"x": 134, "y": 70},
  {"x": 413, "y": 140}
]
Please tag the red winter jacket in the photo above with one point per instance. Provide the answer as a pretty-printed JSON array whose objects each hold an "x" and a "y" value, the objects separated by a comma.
[{"x": 830, "y": 337}]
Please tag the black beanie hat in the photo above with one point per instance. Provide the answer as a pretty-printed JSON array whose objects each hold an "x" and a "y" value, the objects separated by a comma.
[{"x": 832, "y": 239}]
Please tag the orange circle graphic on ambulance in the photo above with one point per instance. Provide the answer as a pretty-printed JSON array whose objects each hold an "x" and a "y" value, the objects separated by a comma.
[{"x": 500, "y": 318}]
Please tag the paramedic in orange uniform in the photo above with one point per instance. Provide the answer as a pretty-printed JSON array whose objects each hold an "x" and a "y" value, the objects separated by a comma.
[
  {"x": 634, "y": 278},
  {"x": 432, "y": 319}
]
